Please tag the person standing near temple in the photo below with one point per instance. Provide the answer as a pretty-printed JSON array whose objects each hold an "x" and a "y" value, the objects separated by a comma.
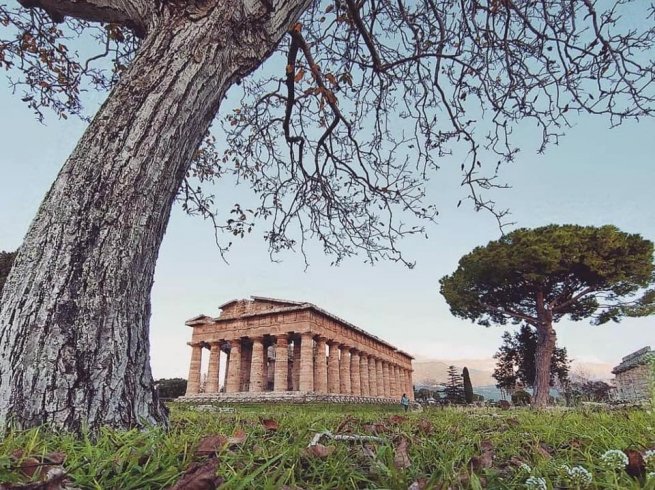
[{"x": 404, "y": 401}]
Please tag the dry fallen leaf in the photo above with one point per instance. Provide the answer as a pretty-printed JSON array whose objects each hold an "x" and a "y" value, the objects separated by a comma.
[
  {"x": 544, "y": 450},
  {"x": 376, "y": 428},
  {"x": 485, "y": 459},
  {"x": 636, "y": 466},
  {"x": 210, "y": 445},
  {"x": 238, "y": 438},
  {"x": 396, "y": 419},
  {"x": 319, "y": 450},
  {"x": 270, "y": 424},
  {"x": 420, "y": 484},
  {"x": 425, "y": 426},
  {"x": 199, "y": 476},
  {"x": 400, "y": 457},
  {"x": 345, "y": 425}
]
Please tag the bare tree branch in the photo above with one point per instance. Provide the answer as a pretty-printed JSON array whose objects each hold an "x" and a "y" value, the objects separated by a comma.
[{"x": 134, "y": 14}]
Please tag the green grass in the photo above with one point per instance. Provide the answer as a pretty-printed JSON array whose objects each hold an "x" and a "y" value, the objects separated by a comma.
[{"x": 441, "y": 444}]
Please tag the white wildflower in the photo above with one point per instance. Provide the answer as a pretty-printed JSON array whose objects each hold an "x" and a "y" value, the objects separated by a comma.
[
  {"x": 651, "y": 475},
  {"x": 580, "y": 476},
  {"x": 536, "y": 483},
  {"x": 525, "y": 467},
  {"x": 614, "y": 459},
  {"x": 649, "y": 457}
]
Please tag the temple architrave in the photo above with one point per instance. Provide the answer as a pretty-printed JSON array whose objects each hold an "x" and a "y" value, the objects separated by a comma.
[{"x": 288, "y": 349}]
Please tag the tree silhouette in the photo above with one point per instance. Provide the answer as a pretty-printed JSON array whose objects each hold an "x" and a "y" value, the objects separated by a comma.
[{"x": 337, "y": 140}]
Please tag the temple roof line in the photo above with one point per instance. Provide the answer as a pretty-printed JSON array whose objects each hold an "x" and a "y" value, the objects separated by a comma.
[{"x": 293, "y": 306}]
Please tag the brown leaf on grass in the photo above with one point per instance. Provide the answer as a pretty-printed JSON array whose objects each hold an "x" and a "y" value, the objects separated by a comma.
[
  {"x": 199, "y": 476},
  {"x": 512, "y": 421},
  {"x": 400, "y": 457},
  {"x": 31, "y": 468},
  {"x": 516, "y": 461},
  {"x": 420, "y": 484},
  {"x": 485, "y": 459},
  {"x": 270, "y": 425},
  {"x": 425, "y": 426},
  {"x": 574, "y": 443},
  {"x": 636, "y": 466},
  {"x": 345, "y": 425},
  {"x": 238, "y": 438},
  {"x": 544, "y": 450},
  {"x": 319, "y": 451},
  {"x": 210, "y": 445},
  {"x": 56, "y": 458},
  {"x": 375, "y": 428},
  {"x": 396, "y": 419}
]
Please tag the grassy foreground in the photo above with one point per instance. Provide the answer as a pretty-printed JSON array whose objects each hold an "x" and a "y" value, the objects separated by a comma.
[{"x": 265, "y": 446}]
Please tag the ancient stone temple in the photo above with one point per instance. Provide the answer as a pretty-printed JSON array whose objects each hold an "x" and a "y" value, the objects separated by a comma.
[
  {"x": 634, "y": 376},
  {"x": 277, "y": 349}
]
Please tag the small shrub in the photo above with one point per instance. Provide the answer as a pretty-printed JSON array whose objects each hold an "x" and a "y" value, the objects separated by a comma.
[{"x": 521, "y": 398}]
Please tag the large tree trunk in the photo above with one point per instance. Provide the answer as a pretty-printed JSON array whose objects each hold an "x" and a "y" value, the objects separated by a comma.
[
  {"x": 546, "y": 340},
  {"x": 74, "y": 348}
]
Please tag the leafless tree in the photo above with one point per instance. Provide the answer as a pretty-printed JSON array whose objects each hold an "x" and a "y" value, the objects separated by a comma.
[{"x": 338, "y": 136}]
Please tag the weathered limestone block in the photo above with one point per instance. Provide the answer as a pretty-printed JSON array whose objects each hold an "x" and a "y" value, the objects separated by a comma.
[
  {"x": 363, "y": 370},
  {"x": 295, "y": 381},
  {"x": 257, "y": 365},
  {"x": 246, "y": 357},
  {"x": 386, "y": 380},
  {"x": 380, "y": 377},
  {"x": 212, "y": 371},
  {"x": 281, "y": 379},
  {"x": 306, "y": 362},
  {"x": 234, "y": 368},
  {"x": 344, "y": 371},
  {"x": 321, "y": 367},
  {"x": 393, "y": 383},
  {"x": 333, "y": 368},
  {"x": 372, "y": 376},
  {"x": 193, "y": 383},
  {"x": 355, "y": 375}
]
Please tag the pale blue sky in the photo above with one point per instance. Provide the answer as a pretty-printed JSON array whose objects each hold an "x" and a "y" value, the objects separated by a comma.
[{"x": 596, "y": 176}]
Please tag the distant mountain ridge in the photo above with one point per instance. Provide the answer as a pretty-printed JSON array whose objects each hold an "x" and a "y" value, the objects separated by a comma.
[{"x": 432, "y": 371}]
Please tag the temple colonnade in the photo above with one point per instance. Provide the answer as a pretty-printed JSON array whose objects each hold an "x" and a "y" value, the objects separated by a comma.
[{"x": 285, "y": 346}]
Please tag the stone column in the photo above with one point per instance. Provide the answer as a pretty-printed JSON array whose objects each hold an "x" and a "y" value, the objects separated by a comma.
[
  {"x": 363, "y": 369},
  {"x": 380, "y": 378},
  {"x": 393, "y": 382},
  {"x": 281, "y": 376},
  {"x": 233, "y": 383},
  {"x": 193, "y": 385},
  {"x": 212, "y": 371},
  {"x": 320, "y": 367},
  {"x": 306, "y": 362},
  {"x": 344, "y": 371},
  {"x": 295, "y": 369},
  {"x": 385, "y": 379},
  {"x": 410, "y": 384},
  {"x": 355, "y": 374},
  {"x": 333, "y": 368},
  {"x": 372, "y": 377},
  {"x": 257, "y": 365},
  {"x": 402, "y": 381}
]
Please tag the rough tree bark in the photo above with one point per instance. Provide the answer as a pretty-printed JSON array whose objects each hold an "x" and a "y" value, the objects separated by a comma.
[
  {"x": 74, "y": 349},
  {"x": 546, "y": 340}
]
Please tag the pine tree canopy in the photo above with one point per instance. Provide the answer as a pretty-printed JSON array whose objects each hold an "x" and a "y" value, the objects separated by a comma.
[{"x": 581, "y": 272}]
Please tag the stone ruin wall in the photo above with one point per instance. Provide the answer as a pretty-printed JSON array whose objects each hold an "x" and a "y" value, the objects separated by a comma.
[{"x": 634, "y": 384}]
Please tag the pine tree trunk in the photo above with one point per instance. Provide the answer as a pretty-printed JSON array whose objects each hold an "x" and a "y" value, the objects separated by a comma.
[
  {"x": 74, "y": 349},
  {"x": 546, "y": 340}
]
